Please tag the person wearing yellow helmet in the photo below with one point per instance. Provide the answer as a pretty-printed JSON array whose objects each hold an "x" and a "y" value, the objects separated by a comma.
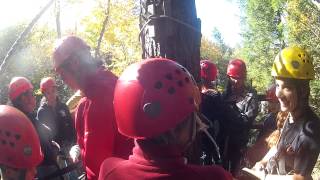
[{"x": 299, "y": 143}]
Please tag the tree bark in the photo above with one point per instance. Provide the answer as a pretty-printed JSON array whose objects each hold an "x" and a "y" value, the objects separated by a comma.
[{"x": 171, "y": 29}]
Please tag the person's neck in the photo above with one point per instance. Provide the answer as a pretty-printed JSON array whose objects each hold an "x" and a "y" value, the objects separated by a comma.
[
  {"x": 52, "y": 103},
  {"x": 86, "y": 77}
]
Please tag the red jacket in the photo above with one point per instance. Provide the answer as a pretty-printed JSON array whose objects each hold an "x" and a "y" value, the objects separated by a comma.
[
  {"x": 97, "y": 132},
  {"x": 165, "y": 163}
]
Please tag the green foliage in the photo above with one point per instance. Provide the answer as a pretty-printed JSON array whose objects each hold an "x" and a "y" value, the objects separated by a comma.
[
  {"x": 218, "y": 52},
  {"x": 32, "y": 59},
  {"x": 120, "y": 42},
  {"x": 263, "y": 38}
]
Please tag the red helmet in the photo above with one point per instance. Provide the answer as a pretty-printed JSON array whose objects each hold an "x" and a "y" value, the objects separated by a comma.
[
  {"x": 19, "y": 141},
  {"x": 47, "y": 83},
  {"x": 237, "y": 68},
  {"x": 271, "y": 94},
  {"x": 153, "y": 96},
  {"x": 17, "y": 86},
  {"x": 209, "y": 70},
  {"x": 66, "y": 47}
]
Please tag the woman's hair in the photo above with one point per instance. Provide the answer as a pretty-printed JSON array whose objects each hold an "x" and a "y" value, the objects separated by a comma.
[{"x": 273, "y": 138}]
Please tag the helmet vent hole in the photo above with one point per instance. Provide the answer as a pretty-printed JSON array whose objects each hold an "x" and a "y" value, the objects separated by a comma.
[
  {"x": 158, "y": 85},
  {"x": 187, "y": 80},
  {"x": 12, "y": 144},
  {"x": 295, "y": 64},
  {"x": 299, "y": 55},
  {"x": 27, "y": 151},
  {"x": 183, "y": 69},
  {"x": 8, "y": 133},
  {"x": 171, "y": 90},
  {"x": 152, "y": 109},
  {"x": 17, "y": 136},
  {"x": 169, "y": 76},
  {"x": 308, "y": 61},
  {"x": 180, "y": 83},
  {"x": 304, "y": 61}
]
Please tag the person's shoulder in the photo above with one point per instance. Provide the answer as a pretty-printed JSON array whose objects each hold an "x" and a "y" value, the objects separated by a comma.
[
  {"x": 62, "y": 105},
  {"x": 103, "y": 82},
  {"x": 108, "y": 165},
  {"x": 311, "y": 133},
  {"x": 251, "y": 90},
  {"x": 312, "y": 127},
  {"x": 43, "y": 108},
  {"x": 107, "y": 75}
]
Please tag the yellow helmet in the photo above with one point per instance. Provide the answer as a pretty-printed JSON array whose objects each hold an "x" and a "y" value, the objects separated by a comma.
[{"x": 293, "y": 62}]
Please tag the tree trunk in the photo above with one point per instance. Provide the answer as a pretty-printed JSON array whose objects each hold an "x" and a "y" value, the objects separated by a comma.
[{"x": 171, "y": 29}]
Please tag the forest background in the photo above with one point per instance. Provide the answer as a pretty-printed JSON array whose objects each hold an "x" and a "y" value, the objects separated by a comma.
[{"x": 266, "y": 27}]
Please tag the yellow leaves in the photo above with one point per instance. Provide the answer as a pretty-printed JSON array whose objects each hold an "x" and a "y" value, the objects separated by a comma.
[{"x": 210, "y": 50}]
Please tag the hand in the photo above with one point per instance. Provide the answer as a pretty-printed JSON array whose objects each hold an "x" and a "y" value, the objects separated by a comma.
[
  {"x": 259, "y": 166},
  {"x": 75, "y": 153}
]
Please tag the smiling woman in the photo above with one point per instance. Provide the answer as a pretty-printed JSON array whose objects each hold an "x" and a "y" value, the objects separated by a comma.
[{"x": 299, "y": 144}]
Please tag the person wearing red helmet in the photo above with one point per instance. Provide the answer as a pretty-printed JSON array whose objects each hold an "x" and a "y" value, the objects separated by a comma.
[
  {"x": 155, "y": 103},
  {"x": 243, "y": 100},
  {"x": 95, "y": 124},
  {"x": 270, "y": 123},
  {"x": 208, "y": 74},
  {"x": 209, "y": 101},
  {"x": 21, "y": 97},
  {"x": 19, "y": 146},
  {"x": 56, "y": 115},
  {"x": 21, "y": 94}
]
